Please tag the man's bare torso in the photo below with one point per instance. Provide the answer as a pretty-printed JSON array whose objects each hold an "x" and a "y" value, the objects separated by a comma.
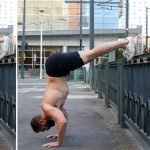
[{"x": 56, "y": 91}]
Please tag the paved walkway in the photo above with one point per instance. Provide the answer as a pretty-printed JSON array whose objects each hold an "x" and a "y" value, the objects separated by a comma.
[
  {"x": 7, "y": 142},
  {"x": 91, "y": 125}
]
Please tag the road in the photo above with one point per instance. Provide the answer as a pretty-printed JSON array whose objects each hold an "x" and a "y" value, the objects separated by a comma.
[{"x": 91, "y": 125}]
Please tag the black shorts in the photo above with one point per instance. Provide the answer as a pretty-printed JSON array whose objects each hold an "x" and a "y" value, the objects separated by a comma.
[{"x": 59, "y": 65}]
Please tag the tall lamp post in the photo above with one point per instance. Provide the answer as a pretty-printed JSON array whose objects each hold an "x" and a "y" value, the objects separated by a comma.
[
  {"x": 41, "y": 43},
  {"x": 127, "y": 18},
  {"x": 147, "y": 27},
  {"x": 23, "y": 40},
  {"x": 80, "y": 25},
  {"x": 92, "y": 38}
]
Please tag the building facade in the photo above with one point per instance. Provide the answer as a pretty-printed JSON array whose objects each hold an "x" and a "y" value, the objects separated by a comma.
[
  {"x": 137, "y": 14},
  {"x": 56, "y": 15},
  {"x": 106, "y": 14},
  {"x": 7, "y": 13},
  {"x": 63, "y": 16},
  {"x": 137, "y": 11}
]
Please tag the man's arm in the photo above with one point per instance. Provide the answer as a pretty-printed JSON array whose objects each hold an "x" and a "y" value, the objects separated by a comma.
[
  {"x": 60, "y": 120},
  {"x": 65, "y": 112},
  {"x": 66, "y": 116}
]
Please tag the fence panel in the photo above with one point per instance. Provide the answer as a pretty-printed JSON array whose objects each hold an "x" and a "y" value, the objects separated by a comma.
[
  {"x": 137, "y": 95},
  {"x": 126, "y": 85},
  {"x": 112, "y": 83},
  {"x": 78, "y": 75},
  {"x": 101, "y": 81},
  {"x": 8, "y": 93}
]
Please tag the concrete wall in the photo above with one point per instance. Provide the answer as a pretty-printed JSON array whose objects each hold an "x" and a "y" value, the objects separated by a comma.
[{"x": 71, "y": 37}]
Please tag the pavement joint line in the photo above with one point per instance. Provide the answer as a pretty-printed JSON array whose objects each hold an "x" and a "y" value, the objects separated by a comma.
[
  {"x": 73, "y": 96},
  {"x": 81, "y": 87},
  {"x": 32, "y": 83},
  {"x": 26, "y": 90}
]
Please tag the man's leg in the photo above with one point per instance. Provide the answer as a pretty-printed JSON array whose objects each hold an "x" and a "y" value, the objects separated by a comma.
[{"x": 102, "y": 49}]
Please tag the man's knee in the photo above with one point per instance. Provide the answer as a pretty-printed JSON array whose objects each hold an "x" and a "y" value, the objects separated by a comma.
[{"x": 85, "y": 56}]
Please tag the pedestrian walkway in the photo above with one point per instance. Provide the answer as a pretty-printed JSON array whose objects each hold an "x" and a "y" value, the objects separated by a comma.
[
  {"x": 6, "y": 141},
  {"x": 91, "y": 125}
]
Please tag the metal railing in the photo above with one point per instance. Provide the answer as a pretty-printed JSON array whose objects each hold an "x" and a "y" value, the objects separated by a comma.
[
  {"x": 8, "y": 93},
  {"x": 78, "y": 75},
  {"x": 75, "y": 75},
  {"x": 125, "y": 86}
]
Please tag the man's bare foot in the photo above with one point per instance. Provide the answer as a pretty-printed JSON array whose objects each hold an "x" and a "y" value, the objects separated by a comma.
[
  {"x": 1, "y": 39},
  {"x": 129, "y": 50}
]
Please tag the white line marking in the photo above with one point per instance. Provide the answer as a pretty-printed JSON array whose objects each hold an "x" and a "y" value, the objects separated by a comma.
[
  {"x": 32, "y": 83},
  {"x": 74, "y": 96}
]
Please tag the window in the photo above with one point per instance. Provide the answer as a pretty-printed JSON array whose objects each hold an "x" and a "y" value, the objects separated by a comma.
[{"x": 58, "y": 10}]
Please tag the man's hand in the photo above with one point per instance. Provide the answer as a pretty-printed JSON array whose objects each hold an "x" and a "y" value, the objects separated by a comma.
[
  {"x": 51, "y": 144},
  {"x": 52, "y": 136}
]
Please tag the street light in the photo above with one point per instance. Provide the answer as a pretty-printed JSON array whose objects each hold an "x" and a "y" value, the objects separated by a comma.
[
  {"x": 23, "y": 40},
  {"x": 92, "y": 38},
  {"x": 41, "y": 43},
  {"x": 127, "y": 18},
  {"x": 147, "y": 27},
  {"x": 80, "y": 25}
]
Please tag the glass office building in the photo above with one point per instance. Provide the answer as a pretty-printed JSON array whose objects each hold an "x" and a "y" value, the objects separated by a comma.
[{"x": 106, "y": 14}]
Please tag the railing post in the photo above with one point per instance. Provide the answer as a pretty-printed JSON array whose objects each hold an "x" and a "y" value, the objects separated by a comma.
[
  {"x": 99, "y": 81},
  {"x": 120, "y": 93},
  {"x": 107, "y": 85},
  {"x": 95, "y": 78}
]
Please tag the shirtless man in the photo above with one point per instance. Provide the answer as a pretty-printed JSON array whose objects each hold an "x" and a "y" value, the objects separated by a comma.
[{"x": 56, "y": 92}]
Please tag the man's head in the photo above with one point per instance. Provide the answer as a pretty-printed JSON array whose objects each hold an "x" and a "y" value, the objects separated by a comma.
[{"x": 40, "y": 124}]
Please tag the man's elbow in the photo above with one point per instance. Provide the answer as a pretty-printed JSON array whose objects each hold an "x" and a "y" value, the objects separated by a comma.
[
  {"x": 63, "y": 121},
  {"x": 43, "y": 106}
]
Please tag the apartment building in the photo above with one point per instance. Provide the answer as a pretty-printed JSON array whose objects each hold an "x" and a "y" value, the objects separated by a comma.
[
  {"x": 7, "y": 13},
  {"x": 56, "y": 15},
  {"x": 137, "y": 14}
]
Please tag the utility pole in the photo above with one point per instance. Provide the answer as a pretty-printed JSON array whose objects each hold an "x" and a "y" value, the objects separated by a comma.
[
  {"x": 146, "y": 45},
  {"x": 23, "y": 40},
  {"x": 41, "y": 43},
  {"x": 92, "y": 38},
  {"x": 79, "y": 1},
  {"x": 127, "y": 18},
  {"x": 80, "y": 25}
]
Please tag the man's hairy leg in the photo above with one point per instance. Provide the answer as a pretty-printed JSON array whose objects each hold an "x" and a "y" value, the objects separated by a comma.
[{"x": 102, "y": 49}]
